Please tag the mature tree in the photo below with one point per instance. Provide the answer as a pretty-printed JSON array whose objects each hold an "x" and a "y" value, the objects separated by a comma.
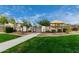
[
  {"x": 12, "y": 20},
  {"x": 26, "y": 23},
  {"x": 3, "y": 19},
  {"x": 44, "y": 22}
]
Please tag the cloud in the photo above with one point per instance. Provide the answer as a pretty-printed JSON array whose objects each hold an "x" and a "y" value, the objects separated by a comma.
[
  {"x": 71, "y": 18},
  {"x": 33, "y": 19},
  {"x": 37, "y": 16},
  {"x": 66, "y": 14},
  {"x": 67, "y": 17},
  {"x": 30, "y": 8},
  {"x": 6, "y": 13},
  {"x": 77, "y": 6}
]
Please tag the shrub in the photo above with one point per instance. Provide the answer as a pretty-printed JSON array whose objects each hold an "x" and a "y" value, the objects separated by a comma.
[
  {"x": 74, "y": 29},
  {"x": 29, "y": 30},
  {"x": 14, "y": 30},
  {"x": 64, "y": 30},
  {"x": 59, "y": 30},
  {"x": 53, "y": 31},
  {"x": 9, "y": 30},
  {"x": 48, "y": 31}
]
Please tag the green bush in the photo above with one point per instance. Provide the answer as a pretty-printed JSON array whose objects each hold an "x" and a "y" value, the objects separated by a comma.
[
  {"x": 59, "y": 30},
  {"x": 53, "y": 31},
  {"x": 64, "y": 30},
  {"x": 48, "y": 31},
  {"x": 9, "y": 30}
]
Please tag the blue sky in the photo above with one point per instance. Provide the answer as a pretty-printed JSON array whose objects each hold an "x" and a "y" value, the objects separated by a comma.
[{"x": 66, "y": 13}]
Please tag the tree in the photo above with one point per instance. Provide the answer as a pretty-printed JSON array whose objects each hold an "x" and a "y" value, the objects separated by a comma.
[
  {"x": 12, "y": 20},
  {"x": 26, "y": 23},
  {"x": 3, "y": 19},
  {"x": 44, "y": 23}
]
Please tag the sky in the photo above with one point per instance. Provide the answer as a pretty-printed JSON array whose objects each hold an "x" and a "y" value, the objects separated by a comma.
[{"x": 66, "y": 13}]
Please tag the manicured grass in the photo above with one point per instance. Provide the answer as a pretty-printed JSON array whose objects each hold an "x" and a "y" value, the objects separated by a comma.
[
  {"x": 61, "y": 44},
  {"x": 6, "y": 37}
]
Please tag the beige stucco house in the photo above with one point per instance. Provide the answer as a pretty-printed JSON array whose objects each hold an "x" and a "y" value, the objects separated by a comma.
[{"x": 56, "y": 25}]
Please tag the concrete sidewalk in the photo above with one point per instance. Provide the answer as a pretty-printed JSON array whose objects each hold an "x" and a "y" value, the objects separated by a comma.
[{"x": 14, "y": 42}]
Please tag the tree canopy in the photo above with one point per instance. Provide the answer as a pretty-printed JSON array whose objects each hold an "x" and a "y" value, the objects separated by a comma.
[
  {"x": 12, "y": 20},
  {"x": 26, "y": 23},
  {"x": 44, "y": 22},
  {"x": 3, "y": 19}
]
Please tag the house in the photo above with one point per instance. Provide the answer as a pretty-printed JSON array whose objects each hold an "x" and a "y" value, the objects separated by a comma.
[
  {"x": 9, "y": 25},
  {"x": 1, "y": 28},
  {"x": 57, "y": 25}
]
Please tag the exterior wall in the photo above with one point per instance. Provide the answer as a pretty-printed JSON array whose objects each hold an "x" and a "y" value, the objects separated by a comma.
[
  {"x": 1, "y": 28},
  {"x": 43, "y": 29},
  {"x": 18, "y": 27},
  {"x": 36, "y": 29}
]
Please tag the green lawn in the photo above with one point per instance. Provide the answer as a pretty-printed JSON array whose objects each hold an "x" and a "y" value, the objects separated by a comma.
[
  {"x": 6, "y": 37},
  {"x": 61, "y": 44}
]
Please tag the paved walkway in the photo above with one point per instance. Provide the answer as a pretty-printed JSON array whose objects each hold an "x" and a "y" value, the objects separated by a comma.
[{"x": 14, "y": 42}]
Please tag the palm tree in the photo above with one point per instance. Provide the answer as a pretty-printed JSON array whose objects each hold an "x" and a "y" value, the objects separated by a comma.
[
  {"x": 3, "y": 19},
  {"x": 44, "y": 23}
]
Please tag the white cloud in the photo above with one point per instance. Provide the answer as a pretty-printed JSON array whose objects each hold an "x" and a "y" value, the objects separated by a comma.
[
  {"x": 19, "y": 21},
  {"x": 77, "y": 6},
  {"x": 30, "y": 8},
  {"x": 6, "y": 13},
  {"x": 71, "y": 18},
  {"x": 33, "y": 19},
  {"x": 66, "y": 16},
  {"x": 37, "y": 16}
]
